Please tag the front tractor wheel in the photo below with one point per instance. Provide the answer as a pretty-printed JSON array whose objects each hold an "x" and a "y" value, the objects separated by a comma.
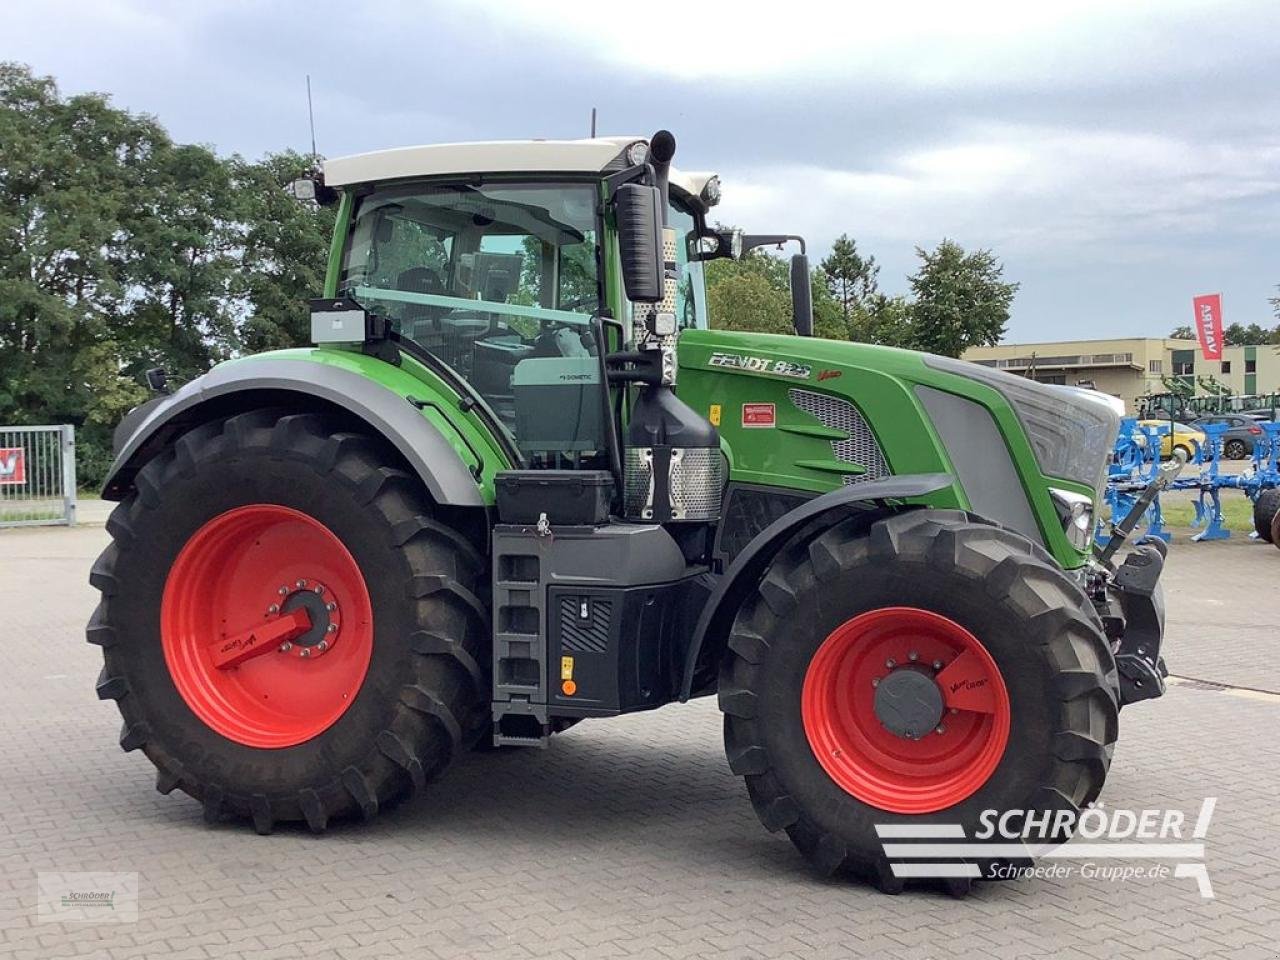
[
  {"x": 288, "y": 631},
  {"x": 909, "y": 670}
]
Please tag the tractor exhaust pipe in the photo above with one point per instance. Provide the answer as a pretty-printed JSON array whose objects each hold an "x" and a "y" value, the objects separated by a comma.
[{"x": 662, "y": 147}]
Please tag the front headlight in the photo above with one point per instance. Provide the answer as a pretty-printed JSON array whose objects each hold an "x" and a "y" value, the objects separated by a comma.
[{"x": 1075, "y": 511}]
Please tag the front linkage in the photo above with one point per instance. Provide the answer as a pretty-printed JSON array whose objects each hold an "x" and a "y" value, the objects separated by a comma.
[{"x": 1130, "y": 601}]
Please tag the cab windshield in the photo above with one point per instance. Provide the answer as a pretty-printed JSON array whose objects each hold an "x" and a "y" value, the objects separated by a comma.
[
  {"x": 500, "y": 282},
  {"x": 691, "y": 287}
]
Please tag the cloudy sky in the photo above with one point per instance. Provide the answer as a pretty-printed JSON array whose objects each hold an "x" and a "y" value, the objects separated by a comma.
[{"x": 1120, "y": 157}]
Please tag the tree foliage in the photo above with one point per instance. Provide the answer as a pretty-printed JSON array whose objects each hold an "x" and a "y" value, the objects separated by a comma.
[
  {"x": 121, "y": 250},
  {"x": 750, "y": 294},
  {"x": 850, "y": 277},
  {"x": 1235, "y": 334},
  {"x": 960, "y": 298}
]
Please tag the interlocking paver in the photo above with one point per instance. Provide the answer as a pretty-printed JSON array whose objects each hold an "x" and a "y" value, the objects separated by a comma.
[{"x": 627, "y": 838}]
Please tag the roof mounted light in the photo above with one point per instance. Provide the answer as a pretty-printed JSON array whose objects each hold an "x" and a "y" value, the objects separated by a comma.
[
  {"x": 311, "y": 189},
  {"x": 637, "y": 153},
  {"x": 711, "y": 191}
]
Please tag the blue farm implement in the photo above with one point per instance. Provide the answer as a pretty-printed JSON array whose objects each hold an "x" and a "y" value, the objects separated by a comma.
[{"x": 1136, "y": 464}]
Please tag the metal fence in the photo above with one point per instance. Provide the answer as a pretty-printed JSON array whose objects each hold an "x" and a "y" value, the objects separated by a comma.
[{"x": 37, "y": 475}]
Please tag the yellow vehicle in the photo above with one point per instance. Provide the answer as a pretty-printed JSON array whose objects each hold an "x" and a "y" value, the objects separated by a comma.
[{"x": 1184, "y": 438}]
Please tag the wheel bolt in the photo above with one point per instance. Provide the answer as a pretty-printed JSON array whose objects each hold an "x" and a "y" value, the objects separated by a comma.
[
  {"x": 954, "y": 710},
  {"x": 937, "y": 664},
  {"x": 332, "y": 628},
  {"x": 322, "y": 646},
  {"x": 304, "y": 652},
  {"x": 331, "y": 607},
  {"x": 286, "y": 647},
  {"x": 875, "y": 681},
  {"x": 283, "y": 591},
  {"x": 300, "y": 584},
  {"x": 319, "y": 588},
  {"x": 274, "y": 608},
  {"x": 939, "y": 729},
  {"x": 913, "y": 656},
  {"x": 890, "y": 664}
]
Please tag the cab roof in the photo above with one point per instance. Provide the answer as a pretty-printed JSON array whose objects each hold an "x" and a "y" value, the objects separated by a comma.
[{"x": 596, "y": 155}]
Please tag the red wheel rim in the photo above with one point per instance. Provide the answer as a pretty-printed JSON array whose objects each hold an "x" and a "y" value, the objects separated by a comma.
[
  {"x": 232, "y": 586},
  {"x": 884, "y": 769}
]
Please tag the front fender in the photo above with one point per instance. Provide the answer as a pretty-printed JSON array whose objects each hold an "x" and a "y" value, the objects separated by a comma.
[
  {"x": 749, "y": 565},
  {"x": 424, "y": 447}
]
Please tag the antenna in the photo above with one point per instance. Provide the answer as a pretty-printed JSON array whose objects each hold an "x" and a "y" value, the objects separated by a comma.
[
  {"x": 593, "y": 123},
  {"x": 311, "y": 119}
]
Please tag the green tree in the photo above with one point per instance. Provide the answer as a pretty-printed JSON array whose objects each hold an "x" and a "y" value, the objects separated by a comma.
[
  {"x": 1243, "y": 335},
  {"x": 180, "y": 265},
  {"x": 120, "y": 250},
  {"x": 1183, "y": 332},
  {"x": 751, "y": 294},
  {"x": 960, "y": 300},
  {"x": 285, "y": 251},
  {"x": 883, "y": 320},
  {"x": 72, "y": 172},
  {"x": 745, "y": 299},
  {"x": 850, "y": 277}
]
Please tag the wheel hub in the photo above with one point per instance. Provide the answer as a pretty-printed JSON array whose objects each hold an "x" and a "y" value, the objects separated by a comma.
[
  {"x": 321, "y": 609},
  {"x": 908, "y": 703}
]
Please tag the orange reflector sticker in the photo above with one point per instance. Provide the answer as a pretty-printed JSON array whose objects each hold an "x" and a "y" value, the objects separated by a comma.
[{"x": 569, "y": 687}]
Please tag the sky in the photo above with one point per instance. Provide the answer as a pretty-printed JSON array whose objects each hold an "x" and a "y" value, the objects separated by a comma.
[{"x": 1118, "y": 157}]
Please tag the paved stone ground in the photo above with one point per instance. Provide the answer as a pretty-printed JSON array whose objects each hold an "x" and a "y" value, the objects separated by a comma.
[{"x": 626, "y": 838}]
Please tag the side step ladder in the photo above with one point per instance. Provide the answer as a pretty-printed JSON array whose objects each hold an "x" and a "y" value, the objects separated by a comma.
[{"x": 520, "y": 567}]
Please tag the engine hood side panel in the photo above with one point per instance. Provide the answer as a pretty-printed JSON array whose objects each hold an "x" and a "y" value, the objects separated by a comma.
[{"x": 738, "y": 372}]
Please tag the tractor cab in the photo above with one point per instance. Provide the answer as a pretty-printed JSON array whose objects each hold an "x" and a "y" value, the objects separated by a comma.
[{"x": 496, "y": 259}]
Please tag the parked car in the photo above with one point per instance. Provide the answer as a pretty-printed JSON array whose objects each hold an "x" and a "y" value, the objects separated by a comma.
[
  {"x": 1185, "y": 438},
  {"x": 1242, "y": 434}
]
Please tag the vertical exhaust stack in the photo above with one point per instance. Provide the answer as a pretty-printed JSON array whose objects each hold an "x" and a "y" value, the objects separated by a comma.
[{"x": 674, "y": 470}]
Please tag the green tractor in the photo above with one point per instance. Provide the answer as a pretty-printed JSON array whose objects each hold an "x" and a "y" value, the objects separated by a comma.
[{"x": 518, "y": 482}]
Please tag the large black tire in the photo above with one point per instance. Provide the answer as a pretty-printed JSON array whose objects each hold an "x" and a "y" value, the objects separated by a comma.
[
  {"x": 425, "y": 693},
  {"x": 1265, "y": 509},
  {"x": 1235, "y": 449},
  {"x": 1039, "y": 627}
]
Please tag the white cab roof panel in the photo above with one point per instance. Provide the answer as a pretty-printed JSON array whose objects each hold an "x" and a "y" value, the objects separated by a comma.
[{"x": 493, "y": 156}]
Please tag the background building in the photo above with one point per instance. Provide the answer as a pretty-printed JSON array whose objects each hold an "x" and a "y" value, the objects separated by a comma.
[{"x": 1134, "y": 367}]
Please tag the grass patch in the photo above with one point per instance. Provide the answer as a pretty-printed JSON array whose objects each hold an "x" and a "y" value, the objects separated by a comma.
[
  {"x": 1179, "y": 511},
  {"x": 1237, "y": 511}
]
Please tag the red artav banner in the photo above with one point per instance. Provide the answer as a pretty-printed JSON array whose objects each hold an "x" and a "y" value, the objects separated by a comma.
[{"x": 1209, "y": 324}]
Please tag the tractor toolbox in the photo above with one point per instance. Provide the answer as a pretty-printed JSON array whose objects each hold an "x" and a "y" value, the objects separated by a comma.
[{"x": 566, "y": 497}]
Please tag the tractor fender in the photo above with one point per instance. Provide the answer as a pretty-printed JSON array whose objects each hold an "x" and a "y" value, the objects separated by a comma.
[
  {"x": 721, "y": 607},
  {"x": 429, "y": 454}
]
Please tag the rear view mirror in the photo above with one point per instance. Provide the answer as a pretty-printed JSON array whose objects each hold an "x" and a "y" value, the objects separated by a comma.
[
  {"x": 639, "y": 215},
  {"x": 801, "y": 295}
]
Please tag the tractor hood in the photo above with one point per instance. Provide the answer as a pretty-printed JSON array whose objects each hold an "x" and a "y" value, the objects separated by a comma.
[{"x": 815, "y": 414}]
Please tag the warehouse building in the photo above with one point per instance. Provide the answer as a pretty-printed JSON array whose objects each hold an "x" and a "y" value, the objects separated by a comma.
[{"x": 1135, "y": 367}]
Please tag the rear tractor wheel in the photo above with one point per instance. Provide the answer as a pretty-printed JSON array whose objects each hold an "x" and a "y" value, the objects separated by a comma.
[
  {"x": 911, "y": 671},
  {"x": 288, "y": 632}
]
